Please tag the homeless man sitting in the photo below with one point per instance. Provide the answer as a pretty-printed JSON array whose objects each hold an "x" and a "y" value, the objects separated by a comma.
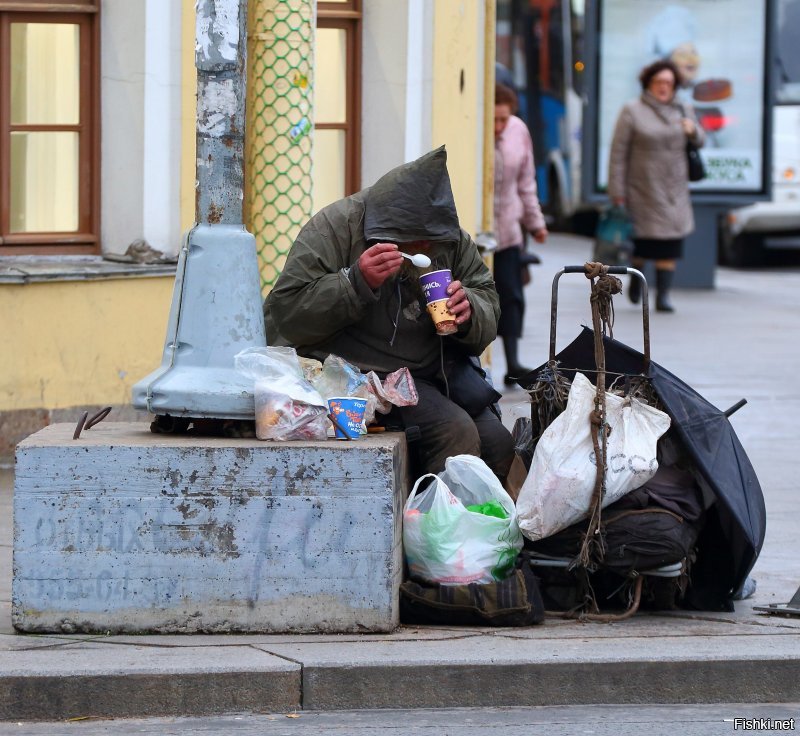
[{"x": 346, "y": 290}]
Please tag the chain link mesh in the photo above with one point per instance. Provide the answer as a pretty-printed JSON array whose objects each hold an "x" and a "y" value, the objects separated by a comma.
[{"x": 279, "y": 128}]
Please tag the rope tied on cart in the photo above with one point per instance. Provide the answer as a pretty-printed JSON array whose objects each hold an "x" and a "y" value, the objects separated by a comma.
[{"x": 603, "y": 288}]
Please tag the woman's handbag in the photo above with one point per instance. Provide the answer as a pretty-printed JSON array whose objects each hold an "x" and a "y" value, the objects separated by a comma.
[
  {"x": 612, "y": 240},
  {"x": 697, "y": 170}
]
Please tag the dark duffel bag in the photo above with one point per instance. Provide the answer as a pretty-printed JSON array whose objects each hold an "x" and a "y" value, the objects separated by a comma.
[
  {"x": 657, "y": 524},
  {"x": 641, "y": 540},
  {"x": 636, "y": 540},
  {"x": 515, "y": 601}
]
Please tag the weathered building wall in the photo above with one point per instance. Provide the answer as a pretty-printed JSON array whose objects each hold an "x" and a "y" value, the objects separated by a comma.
[
  {"x": 72, "y": 345},
  {"x": 458, "y": 81}
]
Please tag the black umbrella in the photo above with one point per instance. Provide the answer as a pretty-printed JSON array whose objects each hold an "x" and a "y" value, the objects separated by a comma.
[{"x": 732, "y": 536}]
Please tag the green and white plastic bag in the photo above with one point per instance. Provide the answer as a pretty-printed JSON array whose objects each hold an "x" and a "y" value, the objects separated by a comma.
[{"x": 447, "y": 543}]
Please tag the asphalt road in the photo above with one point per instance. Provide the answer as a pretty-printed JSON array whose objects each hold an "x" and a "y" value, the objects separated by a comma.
[{"x": 598, "y": 720}]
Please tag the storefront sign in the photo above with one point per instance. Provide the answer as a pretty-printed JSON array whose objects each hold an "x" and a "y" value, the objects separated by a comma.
[{"x": 719, "y": 46}]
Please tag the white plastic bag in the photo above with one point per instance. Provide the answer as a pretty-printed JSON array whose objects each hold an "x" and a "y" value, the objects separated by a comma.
[
  {"x": 287, "y": 406},
  {"x": 558, "y": 489},
  {"x": 447, "y": 543}
]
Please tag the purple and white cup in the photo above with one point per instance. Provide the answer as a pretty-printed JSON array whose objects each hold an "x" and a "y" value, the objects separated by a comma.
[{"x": 434, "y": 286}]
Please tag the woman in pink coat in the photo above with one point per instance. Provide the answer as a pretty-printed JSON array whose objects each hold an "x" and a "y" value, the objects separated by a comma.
[{"x": 515, "y": 204}]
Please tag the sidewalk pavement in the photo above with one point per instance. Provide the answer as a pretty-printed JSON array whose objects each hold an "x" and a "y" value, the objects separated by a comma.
[{"x": 739, "y": 340}]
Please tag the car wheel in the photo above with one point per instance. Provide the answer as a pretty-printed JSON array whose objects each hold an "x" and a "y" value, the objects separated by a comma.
[{"x": 742, "y": 251}]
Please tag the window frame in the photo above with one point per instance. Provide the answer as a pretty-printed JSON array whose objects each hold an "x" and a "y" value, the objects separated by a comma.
[
  {"x": 347, "y": 16},
  {"x": 86, "y": 239}
]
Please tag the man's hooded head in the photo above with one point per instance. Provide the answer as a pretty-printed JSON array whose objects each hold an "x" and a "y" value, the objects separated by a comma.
[{"x": 413, "y": 202}]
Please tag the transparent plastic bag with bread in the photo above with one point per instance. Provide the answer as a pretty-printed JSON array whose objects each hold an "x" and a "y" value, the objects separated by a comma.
[{"x": 287, "y": 406}]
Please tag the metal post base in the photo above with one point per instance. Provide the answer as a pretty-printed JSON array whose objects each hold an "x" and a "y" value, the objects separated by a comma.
[{"x": 792, "y": 608}]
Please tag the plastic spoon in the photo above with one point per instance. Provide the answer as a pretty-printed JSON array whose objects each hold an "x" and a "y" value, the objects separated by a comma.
[{"x": 418, "y": 259}]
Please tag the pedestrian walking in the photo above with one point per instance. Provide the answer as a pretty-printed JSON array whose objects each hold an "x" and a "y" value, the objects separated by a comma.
[
  {"x": 516, "y": 204},
  {"x": 648, "y": 174}
]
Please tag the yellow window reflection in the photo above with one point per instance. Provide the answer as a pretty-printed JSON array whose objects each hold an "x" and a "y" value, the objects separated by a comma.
[
  {"x": 45, "y": 74},
  {"x": 44, "y": 182},
  {"x": 328, "y": 172},
  {"x": 330, "y": 90},
  {"x": 44, "y": 94}
]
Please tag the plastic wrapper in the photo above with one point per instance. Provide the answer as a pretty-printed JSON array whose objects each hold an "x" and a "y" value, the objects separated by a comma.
[
  {"x": 340, "y": 378},
  {"x": 398, "y": 389},
  {"x": 523, "y": 440},
  {"x": 287, "y": 406},
  {"x": 311, "y": 369},
  {"x": 337, "y": 377}
]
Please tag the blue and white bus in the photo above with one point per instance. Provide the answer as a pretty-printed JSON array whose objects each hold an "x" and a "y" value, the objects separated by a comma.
[{"x": 539, "y": 42}]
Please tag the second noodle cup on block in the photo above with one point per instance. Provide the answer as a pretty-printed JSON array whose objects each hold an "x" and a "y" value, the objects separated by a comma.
[
  {"x": 348, "y": 411},
  {"x": 434, "y": 286}
]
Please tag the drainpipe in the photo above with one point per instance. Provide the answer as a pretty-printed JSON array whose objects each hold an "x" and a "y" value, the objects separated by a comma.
[
  {"x": 485, "y": 238},
  {"x": 489, "y": 43}
]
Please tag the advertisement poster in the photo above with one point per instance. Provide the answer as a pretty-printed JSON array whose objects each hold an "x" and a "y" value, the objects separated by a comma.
[{"x": 719, "y": 47}]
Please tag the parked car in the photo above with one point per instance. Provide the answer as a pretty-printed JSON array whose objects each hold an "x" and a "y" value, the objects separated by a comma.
[{"x": 745, "y": 233}]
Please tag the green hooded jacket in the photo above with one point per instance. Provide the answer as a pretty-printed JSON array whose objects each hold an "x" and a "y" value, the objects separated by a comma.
[{"x": 321, "y": 304}]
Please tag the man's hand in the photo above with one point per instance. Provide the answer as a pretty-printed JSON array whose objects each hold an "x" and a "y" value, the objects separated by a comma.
[
  {"x": 458, "y": 304},
  {"x": 540, "y": 235},
  {"x": 378, "y": 263}
]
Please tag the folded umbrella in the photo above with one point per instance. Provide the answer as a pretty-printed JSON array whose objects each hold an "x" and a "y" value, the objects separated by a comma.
[{"x": 733, "y": 534}]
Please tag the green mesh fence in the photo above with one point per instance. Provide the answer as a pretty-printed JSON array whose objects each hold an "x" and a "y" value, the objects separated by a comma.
[{"x": 280, "y": 127}]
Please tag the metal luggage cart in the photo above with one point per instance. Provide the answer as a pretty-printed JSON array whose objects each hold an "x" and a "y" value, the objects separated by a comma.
[{"x": 606, "y": 378}]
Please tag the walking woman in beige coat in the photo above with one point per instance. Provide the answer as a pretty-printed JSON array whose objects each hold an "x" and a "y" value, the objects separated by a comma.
[{"x": 648, "y": 174}]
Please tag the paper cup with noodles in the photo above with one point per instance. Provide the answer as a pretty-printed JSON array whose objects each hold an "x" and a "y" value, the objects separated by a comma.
[
  {"x": 434, "y": 286},
  {"x": 348, "y": 411}
]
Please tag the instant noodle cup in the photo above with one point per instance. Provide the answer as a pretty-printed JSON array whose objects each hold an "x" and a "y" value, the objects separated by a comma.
[
  {"x": 348, "y": 411},
  {"x": 434, "y": 286}
]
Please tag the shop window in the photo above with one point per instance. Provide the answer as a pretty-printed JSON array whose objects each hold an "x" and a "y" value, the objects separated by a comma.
[
  {"x": 337, "y": 100},
  {"x": 49, "y": 143}
]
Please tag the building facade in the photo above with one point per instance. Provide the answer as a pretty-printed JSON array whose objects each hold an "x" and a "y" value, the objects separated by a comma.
[{"x": 97, "y": 162}]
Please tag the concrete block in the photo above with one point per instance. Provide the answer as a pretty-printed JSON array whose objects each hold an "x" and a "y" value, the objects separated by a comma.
[{"x": 126, "y": 531}]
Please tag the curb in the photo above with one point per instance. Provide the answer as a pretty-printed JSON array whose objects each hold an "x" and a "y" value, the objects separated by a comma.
[{"x": 382, "y": 686}]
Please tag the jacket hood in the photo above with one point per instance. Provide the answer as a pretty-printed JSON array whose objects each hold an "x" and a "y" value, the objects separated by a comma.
[{"x": 413, "y": 202}]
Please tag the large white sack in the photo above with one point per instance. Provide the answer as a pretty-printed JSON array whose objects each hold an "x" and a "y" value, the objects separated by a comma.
[{"x": 558, "y": 489}]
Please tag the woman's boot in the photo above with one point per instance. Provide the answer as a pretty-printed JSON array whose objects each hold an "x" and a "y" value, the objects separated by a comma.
[
  {"x": 635, "y": 290},
  {"x": 635, "y": 285},
  {"x": 663, "y": 286},
  {"x": 513, "y": 369}
]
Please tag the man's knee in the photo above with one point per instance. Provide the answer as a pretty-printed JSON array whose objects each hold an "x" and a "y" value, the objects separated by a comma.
[
  {"x": 464, "y": 436},
  {"x": 454, "y": 434}
]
